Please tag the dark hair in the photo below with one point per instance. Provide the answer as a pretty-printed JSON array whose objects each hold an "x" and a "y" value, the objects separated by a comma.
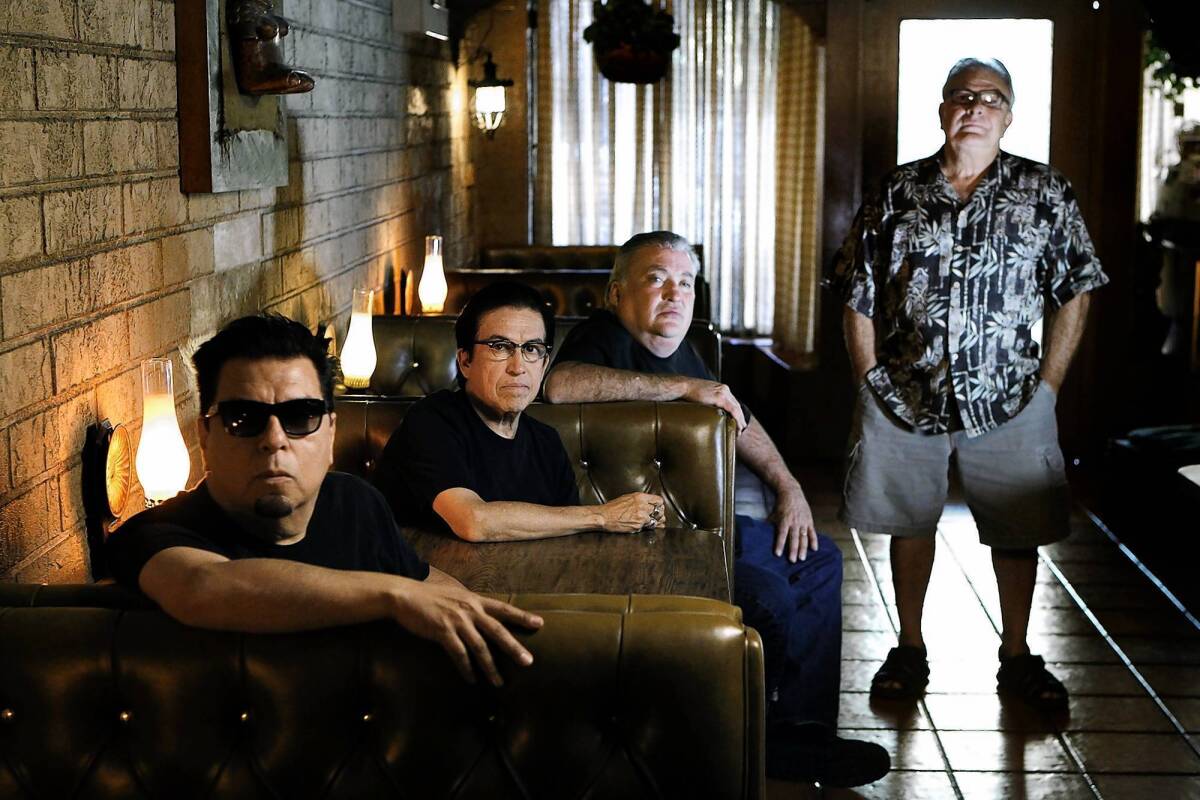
[
  {"x": 504, "y": 294},
  {"x": 666, "y": 240},
  {"x": 258, "y": 337}
]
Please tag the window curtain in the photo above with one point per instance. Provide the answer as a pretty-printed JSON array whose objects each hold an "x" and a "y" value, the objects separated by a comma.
[
  {"x": 697, "y": 153},
  {"x": 800, "y": 115}
]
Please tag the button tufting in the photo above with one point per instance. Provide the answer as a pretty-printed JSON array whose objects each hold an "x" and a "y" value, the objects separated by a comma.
[
  {"x": 658, "y": 463},
  {"x": 369, "y": 464},
  {"x": 8, "y": 715},
  {"x": 583, "y": 463},
  {"x": 416, "y": 364},
  {"x": 367, "y": 717},
  {"x": 125, "y": 716}
]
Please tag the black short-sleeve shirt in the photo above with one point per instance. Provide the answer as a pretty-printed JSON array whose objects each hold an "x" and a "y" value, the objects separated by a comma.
[
  {"x": 602, "y": 340},
  {"x": 443, "y": 444},
  {"x": 351, "y": 528}
]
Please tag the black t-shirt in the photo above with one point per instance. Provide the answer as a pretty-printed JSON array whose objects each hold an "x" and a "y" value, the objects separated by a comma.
[
  {"x": 351, "y": 528},
  {"x": 602, "y": 340},
  {"x": 443, "y": 444}
]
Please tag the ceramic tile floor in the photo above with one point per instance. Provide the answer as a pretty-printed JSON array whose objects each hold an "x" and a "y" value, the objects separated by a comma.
[{"x": 1130, "y": 657}]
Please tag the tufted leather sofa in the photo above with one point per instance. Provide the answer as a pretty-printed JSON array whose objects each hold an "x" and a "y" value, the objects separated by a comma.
[
  {"x": 572, "y": 278},
  {"x": 416, "y": 354},
  {"x": 628, "y": 697},
  {"x": 683, "y": 451}
]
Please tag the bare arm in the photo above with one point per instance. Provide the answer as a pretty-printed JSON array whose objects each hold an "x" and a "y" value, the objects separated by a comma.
[
  {"x": 860, "y": 342},
  {"x": 1064, "y": 328},
  {"x": 267, "y": 595},
  {"x": 576, "y": 382},
  {"x": 476, "y": 520},
  {"x": 794, "y": 528}
]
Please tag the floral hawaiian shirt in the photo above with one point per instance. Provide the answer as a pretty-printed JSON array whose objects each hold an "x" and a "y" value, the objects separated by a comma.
[{"x": 956, "y": 287}]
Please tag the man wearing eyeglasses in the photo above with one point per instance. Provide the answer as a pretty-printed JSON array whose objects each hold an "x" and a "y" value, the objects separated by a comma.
[
  {"x": 271, "y": 540},
  {"x": 471, "y": 461},
  {"x": 950, "y": 265},
  {"x": 787, "y": 576}
]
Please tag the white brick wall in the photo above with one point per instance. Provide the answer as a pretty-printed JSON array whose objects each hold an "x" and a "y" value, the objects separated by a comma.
[{"x": 103, "y": 262}]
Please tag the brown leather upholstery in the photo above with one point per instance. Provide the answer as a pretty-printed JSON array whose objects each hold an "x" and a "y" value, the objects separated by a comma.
[
  {"x": 683, "y": 451},
  {"x": 569, "y": 292},
  {"x": 572, "y": 278},
  {"x": 416, "y": 354},
  {"x": 548, "y": 257},
  {"x": 629, "y": 697}
]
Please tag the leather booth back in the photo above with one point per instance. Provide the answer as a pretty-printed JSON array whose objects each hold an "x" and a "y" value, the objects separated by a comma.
[
  {"x": 572, "y": 278},
  {"x": 569, "y": 292},
  {"x": 548, "y": 257},
  {"x": 630, "y": 697},
  {"x": 682, "y": 451},
  {"x": 416, "y": 355}
]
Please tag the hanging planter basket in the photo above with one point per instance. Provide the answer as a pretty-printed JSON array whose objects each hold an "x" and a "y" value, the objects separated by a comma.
[
  {"x": 624, "y": 64},
  {"x": 632, "y": 40}
]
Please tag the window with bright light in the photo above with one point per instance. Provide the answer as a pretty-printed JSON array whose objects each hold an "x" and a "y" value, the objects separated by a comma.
[
  {"x": 929, "y": 47},
  {"x": 1163, "y": 119}
]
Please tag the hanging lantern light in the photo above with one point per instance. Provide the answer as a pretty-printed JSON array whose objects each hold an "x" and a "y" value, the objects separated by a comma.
[{"x": 489, "y": 99}]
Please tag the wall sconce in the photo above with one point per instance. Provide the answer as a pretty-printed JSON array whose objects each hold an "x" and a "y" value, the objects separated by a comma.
[
  {"x": 489, "y": 99},
  {"x": 432, "y": 289},
  {"x": 107, "y": 483},
  {"x": 358, "y": 354},
  {"x": 162, "y": 461}
]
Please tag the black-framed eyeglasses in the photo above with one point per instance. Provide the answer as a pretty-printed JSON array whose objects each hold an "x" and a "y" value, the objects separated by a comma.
[
  {"x": 988, "y": 97},
  {"x": 501, "y": 349},
  {"x": 244, "y": 418}
]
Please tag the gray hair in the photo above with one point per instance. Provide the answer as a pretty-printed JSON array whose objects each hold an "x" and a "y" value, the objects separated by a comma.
[
  {"x": 661, "y": 239},
  {"x": 993, "y": 65}
]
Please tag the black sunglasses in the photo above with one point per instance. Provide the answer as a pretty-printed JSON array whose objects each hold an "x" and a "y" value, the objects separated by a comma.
[{"x": 246, "y": 418}]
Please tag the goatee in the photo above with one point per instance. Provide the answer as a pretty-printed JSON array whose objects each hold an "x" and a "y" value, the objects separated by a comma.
[{"x": 273, "y": 506}]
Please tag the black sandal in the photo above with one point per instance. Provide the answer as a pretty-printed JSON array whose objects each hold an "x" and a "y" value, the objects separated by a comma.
[
  {"x": 907, "y": 668},
  {"x": 1025, "y": 677}
]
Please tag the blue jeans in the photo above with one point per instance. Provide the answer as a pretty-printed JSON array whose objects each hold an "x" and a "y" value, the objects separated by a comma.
[{"x": 797, "y": 610}]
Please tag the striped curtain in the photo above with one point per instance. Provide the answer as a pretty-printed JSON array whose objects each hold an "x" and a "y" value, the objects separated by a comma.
[
  {"x": 698, "y": 153},
  {"x": 800, "y": 122}
]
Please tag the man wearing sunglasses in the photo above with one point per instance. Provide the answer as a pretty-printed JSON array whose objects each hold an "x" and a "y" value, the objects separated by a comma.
[
  {"x": 271, "y": 540},
  {"x": 950, "y": 265},
  {"x": 471, "y": 461}
]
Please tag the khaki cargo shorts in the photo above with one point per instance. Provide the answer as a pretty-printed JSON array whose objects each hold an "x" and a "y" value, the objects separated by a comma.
[{"x": 1013, "y": 477}]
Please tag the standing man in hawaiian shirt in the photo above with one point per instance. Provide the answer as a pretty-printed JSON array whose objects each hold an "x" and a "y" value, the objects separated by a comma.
[{"x": 943, "y": 274}]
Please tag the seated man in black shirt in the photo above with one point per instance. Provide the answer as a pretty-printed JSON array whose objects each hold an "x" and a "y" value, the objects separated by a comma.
[
  {"x": 470, "y": 460},
  {"x": 270, "y": 540},
  {"x": 787, "y": 577}
]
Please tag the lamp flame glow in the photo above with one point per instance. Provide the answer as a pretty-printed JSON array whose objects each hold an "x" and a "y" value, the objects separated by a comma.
[
  {"x": 162, "y": 460},
  {"x": 489, "y": 108},
  {"x": 432, "y": 289},
  {"x": 358, "y": 354}
]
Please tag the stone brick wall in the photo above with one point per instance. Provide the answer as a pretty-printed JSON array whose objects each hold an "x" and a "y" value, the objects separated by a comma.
[{"x": 104, "y": 262}]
